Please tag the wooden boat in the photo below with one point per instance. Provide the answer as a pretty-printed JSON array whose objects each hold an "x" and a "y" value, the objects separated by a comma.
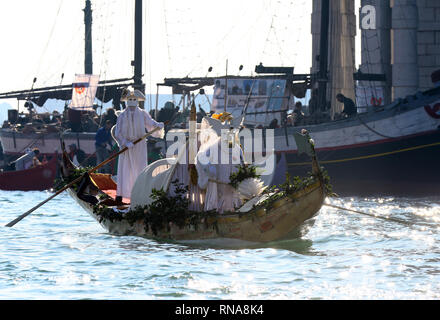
[
  {"x": 286, "y": 217},
  {"x": 38, "y": 178}
]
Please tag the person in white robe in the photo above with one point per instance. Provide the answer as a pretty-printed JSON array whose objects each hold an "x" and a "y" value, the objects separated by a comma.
[
  {"x": 130, "y": 126},
  {"x": 213, "y": 173}
]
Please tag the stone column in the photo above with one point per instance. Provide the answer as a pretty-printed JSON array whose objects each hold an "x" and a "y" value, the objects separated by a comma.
[
  {"x": 376, "y": 47},
  {"x": 404, "y": 51}
]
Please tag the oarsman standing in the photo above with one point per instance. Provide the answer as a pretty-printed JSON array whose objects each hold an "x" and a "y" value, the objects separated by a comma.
[{"x": 130, "y": 126}]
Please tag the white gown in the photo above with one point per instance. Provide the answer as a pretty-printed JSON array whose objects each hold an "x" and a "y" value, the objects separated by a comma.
[
  {"x": 131, "y": 126},
  {"x": 214, "y": 176}
]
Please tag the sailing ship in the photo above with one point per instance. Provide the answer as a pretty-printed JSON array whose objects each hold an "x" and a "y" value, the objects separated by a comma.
[
  {"x": 390, "y": 149},
  {"x": 43, "y": 131},
  {"x": 23, "y": 131},
  {"x": 75, "y": 126}
]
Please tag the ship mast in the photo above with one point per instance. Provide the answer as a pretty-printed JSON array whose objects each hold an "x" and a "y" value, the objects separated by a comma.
[
  {"x": 88, "y": 61},
  {"x": 323, "y": 54},
  {"x": 137, "y": 63},
  {"x": 64, "y": 92}
]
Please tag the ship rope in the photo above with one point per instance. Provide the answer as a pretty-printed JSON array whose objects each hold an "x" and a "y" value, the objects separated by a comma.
[
  {"x": 369, "y": 156},
  {"x": 372, "y": 130},
  {"x": 367, "y": 50},
  {"x": 43, "y": 54}
]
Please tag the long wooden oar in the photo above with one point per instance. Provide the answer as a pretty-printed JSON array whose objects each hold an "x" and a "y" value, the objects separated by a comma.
[
  {"x": 24, "y": 215},
  {"x": 379, "y": 217}
]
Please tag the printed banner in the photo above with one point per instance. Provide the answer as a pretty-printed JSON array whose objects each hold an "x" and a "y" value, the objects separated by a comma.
[
  {"x": 267, "y": 95},
  {"x": 83, "y": 92}
]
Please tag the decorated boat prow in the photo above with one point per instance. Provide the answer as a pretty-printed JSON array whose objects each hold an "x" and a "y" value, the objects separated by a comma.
[{"x": 166, "y": 203}]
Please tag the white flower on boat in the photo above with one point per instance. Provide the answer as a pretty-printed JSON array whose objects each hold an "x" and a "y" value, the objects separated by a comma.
[{"x": 250, "y": 188}]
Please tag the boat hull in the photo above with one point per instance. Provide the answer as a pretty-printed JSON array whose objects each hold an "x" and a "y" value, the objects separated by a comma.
[
  {"x": 284, "y": 220},
  {"x": 34, "y": 179},
  {"x": 392, "y": 167},
  {"x": 393, "y": 152}
]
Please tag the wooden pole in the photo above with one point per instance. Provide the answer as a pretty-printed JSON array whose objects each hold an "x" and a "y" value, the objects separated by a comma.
[
  {"x": 323, "y": 55},
  {"x": 138, "y": 84},
  {"x": 226, "y": 87},
  {"x": 157, "y": 103},
  {"x": 88, "y": 60}
]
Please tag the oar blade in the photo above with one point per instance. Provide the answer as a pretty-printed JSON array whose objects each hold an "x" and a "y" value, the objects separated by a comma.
[{"x": 15, "y": 221}]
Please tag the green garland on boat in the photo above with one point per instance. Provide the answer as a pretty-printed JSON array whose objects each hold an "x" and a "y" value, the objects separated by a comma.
[
  {"x": 287, "y": 188},
  {"x": 166, "y": 209},
  {"x": 76, "y": 173},
  {"x": 245, "y": 171},
  {"x": 161, "y": 212}
]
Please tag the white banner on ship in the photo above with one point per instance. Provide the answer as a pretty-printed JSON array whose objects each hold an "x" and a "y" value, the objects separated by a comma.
[
  {"x": 267, "y": 95},
  {"x": 84, "y": 91}
]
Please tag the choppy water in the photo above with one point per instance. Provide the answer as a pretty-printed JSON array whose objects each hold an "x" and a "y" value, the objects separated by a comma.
[{"x": 60, "y": 252}]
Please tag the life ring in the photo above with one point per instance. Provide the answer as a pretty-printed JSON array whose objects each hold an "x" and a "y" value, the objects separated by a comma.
[{"x": 433, "y": 111}]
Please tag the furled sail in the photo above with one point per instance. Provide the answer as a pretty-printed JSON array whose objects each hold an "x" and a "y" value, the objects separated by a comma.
[
  {"x": 341, "y": 63},
  {"x": 342, "y": 51}
]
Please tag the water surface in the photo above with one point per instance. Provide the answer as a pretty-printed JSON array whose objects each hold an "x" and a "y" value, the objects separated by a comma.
[{"x": 60, "y": 252}]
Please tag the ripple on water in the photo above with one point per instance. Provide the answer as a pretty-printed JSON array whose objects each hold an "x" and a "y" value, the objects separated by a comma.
[{"x": 62, "y": 253}]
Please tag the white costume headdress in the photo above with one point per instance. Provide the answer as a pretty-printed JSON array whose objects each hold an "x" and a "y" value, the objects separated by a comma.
[{"x": 136, "y": 94}]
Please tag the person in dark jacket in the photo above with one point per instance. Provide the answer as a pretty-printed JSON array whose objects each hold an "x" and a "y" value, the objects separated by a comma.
[
  {"x": 299, "y": 114},
  {"x": 274, "y": 124},
  {"x": 111, "y": 116},
  {"x": 350, "y": 109},
  {"x": 77, "y": 155},
  {"x": 103, "y": 142}
]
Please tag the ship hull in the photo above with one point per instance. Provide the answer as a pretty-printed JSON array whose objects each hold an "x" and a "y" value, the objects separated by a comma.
[
  {"x": 393, "y": 167},
  {"x": 16, "y": 143},
  {"x": 389, "y": 152}
]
